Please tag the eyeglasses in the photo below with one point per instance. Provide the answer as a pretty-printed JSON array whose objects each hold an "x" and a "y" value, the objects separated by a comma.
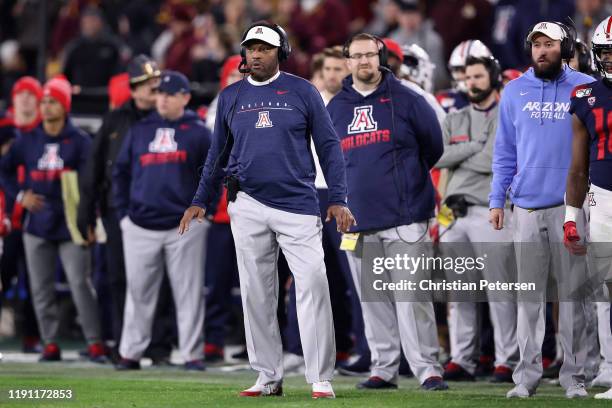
[{"x": 368, "y": 55}]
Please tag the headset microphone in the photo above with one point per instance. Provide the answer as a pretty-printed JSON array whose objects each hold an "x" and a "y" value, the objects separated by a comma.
[{"x": 244, "y": 70}]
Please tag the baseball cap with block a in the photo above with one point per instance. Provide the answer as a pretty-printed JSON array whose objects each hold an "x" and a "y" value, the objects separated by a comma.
[
  {"x": 173, "y": 82},
  {"x": 551, "y": 30},
  {"x": 263, "y": 34}
]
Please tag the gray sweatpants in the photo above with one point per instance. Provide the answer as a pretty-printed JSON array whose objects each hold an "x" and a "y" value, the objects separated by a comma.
[
  {"x": 463, "y": 322},
  {"x": 391, "y": 325},
  {"x": 41, "y": 256},
  {"x": 538, "y": 237},
  {"x": 146, "y": 253},
  {"x": 258, "y": 232}
]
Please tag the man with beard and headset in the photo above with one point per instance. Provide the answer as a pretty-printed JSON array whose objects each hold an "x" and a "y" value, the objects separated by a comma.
[{"x": 531, "y": 158}]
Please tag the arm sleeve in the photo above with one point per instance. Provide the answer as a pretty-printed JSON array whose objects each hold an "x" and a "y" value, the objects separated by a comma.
[
  {"x": 481, "y": 162},
  {"x": 122, "y": 177},
  {"x": 216, "y": 160},
  {"x": 327, "y": 146},
  {"x": 427, "y": 131},
  {"x": 504, "y": 156},
  {"x": 8, "y": 169},
  {"x": 455, "y": 154}
]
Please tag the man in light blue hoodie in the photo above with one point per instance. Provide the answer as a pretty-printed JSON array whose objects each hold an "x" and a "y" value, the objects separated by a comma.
[{"x": 531, "y": 159}]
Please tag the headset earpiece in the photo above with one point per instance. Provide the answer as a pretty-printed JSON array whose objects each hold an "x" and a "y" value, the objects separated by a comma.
[
  {"x": 383, "y": 52},
  {"x": 567, "y": 42}
]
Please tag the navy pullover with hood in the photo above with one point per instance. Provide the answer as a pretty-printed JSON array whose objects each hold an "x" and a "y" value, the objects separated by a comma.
[
  {"x": 45, "y": 159},
  {"x": 157, "y": 170},
  {"x": 391, "y": 138}
]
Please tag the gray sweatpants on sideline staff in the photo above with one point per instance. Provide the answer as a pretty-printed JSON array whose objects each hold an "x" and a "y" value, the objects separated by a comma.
[
  {"x": 538, "y": 237},
  {"x": 41, "y": 256},
  {"x": 147, "y": 252},
  {"x": 259, "y": 231},
  {"x": 392, "y": 325}
]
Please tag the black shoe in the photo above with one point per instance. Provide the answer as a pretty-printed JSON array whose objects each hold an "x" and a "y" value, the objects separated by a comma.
[
  {"x": 552, "y": 371},
  {"x": 126, "y": 364},
  {"x": 454, "y": 372},
  {"x": 161, "y": 362},
  {"x": 358, "y": 368},
  {"x": 195, "y": 365},
  {"x": 376, "y": 383},
  {"x": 434, "y": 383},
  {"x": 485, "y": 366},
  {"x": 241, "y": 355},
  {"x": 213, "y": 354}
]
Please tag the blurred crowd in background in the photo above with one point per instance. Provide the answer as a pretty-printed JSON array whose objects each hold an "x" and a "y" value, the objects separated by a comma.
[{"x": 90, "y": 41}]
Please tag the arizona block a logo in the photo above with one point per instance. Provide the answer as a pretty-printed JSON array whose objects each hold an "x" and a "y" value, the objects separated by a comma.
[
  {"x": 362, "y": 120},
  {"x": 164, "y": 141},
  {"x": 51, "y": 159},
  {"x": 263, "y": 121}
]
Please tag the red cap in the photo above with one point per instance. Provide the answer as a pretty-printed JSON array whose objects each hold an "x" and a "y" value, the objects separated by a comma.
[
  {"x": 30, "y": 84},
  {"x": 394, "y": 48},
  {"x": 231, "y": 64},
  {"x": 119, "y": 90},
  {"x": 59, "y": 89},
  {"x": 511, "y": 74}
]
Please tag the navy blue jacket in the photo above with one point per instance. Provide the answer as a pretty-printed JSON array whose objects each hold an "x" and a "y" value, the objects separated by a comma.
[
  {"x": 157, "y": 170},
  {"x": 268, "y": 130},
  {"x": 45, "y": 158},
  {"x": 390, "y": 139}
]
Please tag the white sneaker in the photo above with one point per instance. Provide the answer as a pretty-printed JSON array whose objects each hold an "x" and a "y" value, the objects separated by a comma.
[
  {"x": 294, "y": 363},
  {"x": 604, "y": 395},
  {"x": 264, "y": 390},
  {"x": 576, "y": 391},
  {"x": 519, "y": 391},
  {"x": 603, "y": 379},
  {"x": 322, "y": 389}
]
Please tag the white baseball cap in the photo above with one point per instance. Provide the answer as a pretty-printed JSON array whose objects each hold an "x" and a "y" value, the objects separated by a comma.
[
  {"x": 551, "y": 30},
  {"x": 264, "y": 34}
]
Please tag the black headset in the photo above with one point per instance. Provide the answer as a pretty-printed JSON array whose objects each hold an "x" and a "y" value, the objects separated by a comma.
[
  {"x": 383, "y": 52},
  {"x": 567, "y": 42},
  {"x": 493, "y": 68},
  {"x": 283, "y": 51}
]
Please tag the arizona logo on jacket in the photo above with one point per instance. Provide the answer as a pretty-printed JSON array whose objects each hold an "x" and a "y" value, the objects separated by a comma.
[
  {"x": 157, "y": 170},
  {"x": 390, "y": 139}
]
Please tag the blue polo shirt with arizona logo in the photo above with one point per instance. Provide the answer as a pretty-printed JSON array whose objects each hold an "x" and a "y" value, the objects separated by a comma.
[
  {"x": 157, "y": 170},
  {"x": 262, "y": 136}
]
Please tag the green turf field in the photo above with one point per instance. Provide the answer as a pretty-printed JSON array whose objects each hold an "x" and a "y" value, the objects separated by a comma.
[{"x": 101, "y": 386}]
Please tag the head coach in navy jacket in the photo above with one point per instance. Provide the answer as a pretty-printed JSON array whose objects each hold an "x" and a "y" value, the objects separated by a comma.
[{"x": 262, "y": 138}]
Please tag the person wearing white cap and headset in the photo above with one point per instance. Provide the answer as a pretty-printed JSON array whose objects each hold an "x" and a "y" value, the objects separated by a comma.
[
  {"x": 262, "y": 140},
  {"x": 531, "y": 159}
]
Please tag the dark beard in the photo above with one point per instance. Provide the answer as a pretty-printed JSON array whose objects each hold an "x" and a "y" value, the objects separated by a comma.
[
  {"x": 476, "y": 95},
  {"x": 549, "y": 73}
]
